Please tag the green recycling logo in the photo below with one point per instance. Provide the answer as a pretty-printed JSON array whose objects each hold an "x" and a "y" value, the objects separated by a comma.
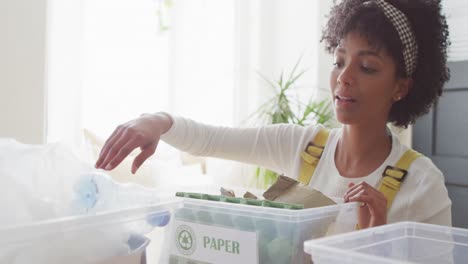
[{"x": 185, "y": 240}]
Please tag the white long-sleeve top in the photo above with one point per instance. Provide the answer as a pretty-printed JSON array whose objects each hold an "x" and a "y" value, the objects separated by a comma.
[{"x": 423, "y": 196}]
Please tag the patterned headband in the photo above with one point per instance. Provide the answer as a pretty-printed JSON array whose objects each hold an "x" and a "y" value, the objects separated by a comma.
[{"x": 403, "y": 27}]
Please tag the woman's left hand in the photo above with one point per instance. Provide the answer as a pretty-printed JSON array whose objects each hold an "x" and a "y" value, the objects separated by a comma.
[{"x": 373, "y": 209}]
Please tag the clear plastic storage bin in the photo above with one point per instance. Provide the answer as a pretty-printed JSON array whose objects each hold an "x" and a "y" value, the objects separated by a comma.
[
  {"x": 117, "y": 237},
  {"x": 207, "y": 231},
  {"x": 404, "y": 242}
]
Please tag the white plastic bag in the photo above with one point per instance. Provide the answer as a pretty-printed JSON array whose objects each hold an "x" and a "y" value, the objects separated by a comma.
[
  {"x": 37, "y": 181},
  {"x": 43, "y": 184}
]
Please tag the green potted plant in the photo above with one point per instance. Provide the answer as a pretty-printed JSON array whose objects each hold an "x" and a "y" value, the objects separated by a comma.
[{"x": 285, "y": 108}]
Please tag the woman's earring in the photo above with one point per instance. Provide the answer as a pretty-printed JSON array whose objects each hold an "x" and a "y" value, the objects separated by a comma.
[{"x": 398, "y": 98}]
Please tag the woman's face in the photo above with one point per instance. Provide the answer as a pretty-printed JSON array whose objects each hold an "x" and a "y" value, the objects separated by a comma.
[{"x": 363, "y": 82}]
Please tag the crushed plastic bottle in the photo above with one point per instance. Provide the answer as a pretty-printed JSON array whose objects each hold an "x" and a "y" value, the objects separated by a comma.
[{"x": 97, "y": 192}]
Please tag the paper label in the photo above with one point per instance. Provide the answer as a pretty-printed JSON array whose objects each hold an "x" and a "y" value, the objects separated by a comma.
[{"x": 212, "y": 244}]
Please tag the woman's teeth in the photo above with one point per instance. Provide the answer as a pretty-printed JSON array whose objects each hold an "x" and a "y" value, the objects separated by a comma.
[{"x": 342, "y": 98}]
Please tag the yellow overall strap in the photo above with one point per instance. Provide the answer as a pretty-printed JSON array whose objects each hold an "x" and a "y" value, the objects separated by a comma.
[
  {"x": 311, "y": 155},
  {"x": 393, "y": 176}
]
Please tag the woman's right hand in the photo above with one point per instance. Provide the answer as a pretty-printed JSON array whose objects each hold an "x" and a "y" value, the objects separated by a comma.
[
  {"x": 143, "y": 132},
  {"x": 373, "y": 209}
]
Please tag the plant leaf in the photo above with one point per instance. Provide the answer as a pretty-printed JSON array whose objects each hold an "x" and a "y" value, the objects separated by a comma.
[{"x": 268, "y": 81}]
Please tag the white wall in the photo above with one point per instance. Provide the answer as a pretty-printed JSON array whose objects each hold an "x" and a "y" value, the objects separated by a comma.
[
  {"x": 64, "y": 56},
  {"x": 22, "y": 89}
]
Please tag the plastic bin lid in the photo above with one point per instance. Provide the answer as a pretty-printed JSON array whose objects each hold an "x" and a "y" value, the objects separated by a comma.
[
  {"x": 278, "y": 214},
  {"x": 404, "y": 242},
  {"x": 154, "y": 215}
]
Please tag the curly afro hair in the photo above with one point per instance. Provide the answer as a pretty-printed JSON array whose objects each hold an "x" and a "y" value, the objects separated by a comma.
[{"x": 431, "y": 31}]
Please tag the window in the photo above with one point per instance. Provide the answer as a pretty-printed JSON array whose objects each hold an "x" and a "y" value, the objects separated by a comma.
[
  {"x": 203, "y": 67},
  {"x": 456, "y": 11}
]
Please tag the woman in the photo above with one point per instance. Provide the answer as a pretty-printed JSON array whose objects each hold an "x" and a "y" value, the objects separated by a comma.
[{"x": 389, "y": 67}]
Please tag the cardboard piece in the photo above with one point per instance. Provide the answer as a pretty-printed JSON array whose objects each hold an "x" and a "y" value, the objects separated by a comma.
[
  {"x": 227, "y": 192},
  {"x": 287, "y": 190},
  {"x": 250, "y": 195}
]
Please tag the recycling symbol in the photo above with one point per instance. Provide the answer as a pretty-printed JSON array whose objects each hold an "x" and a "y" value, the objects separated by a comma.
[{"x": 185, "y": 240}]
